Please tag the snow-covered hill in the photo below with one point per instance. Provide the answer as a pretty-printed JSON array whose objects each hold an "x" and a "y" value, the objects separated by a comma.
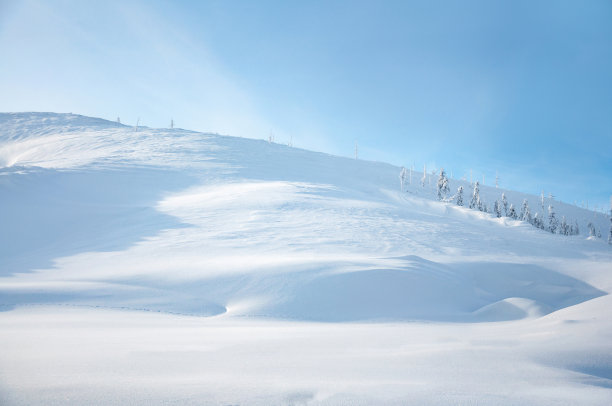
[{"x": 246, "y": 246}]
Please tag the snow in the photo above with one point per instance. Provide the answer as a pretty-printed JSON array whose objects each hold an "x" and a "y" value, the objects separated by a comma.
[{"x": 154, "y": 266}]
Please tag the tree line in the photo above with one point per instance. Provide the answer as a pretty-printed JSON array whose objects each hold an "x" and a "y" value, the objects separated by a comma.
[{"x": 502, "y": 208}]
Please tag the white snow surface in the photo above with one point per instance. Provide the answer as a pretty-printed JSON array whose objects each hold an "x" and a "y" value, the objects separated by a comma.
[{"x": 165, "y": 266}]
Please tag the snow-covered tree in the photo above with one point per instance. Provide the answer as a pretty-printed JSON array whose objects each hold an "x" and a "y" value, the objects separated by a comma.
[
  {"x": 443, "y": 187},
  {"x": 610, "y": 233},
  {"x": 576, "y": 228},
  {"x": 460, "y": 196},
  {"x": 512, "y": 212},
  {"x": 504, "y": 203},
  {"x": 564, "y": 228},
  {"x": 403, "y": 175},
  {"x": 553, "y": 223},
  {"x": 527, "y": 216},
  {"x": 475, "y": 202},
  {"x": 537, "y": 221},
  {"x": 524, "y": 210},
  {"x": 592, "y": 232},
  {"x": 410, "y": 177},
  {"x": 497, "y": 209},
  {"x": 424, "y": 178}
]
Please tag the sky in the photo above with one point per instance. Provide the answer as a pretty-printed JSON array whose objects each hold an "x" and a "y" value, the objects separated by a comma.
[{"x": 521, "y": 89}]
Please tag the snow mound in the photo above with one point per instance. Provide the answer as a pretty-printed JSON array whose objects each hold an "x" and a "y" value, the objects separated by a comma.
[{"x": 424, "y": 290}]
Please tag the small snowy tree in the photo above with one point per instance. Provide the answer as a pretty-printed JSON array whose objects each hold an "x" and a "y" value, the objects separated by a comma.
[
  {"x": 564, "y": 228},
  {"x": 526, "y": 212},
  {"x": 592, "y": 232},
  {"x": 424, "y": 178},
  {"x": 553, "y": 223},
  {"x": 524, "y": 209},
  {"x": 443, "y": 187},
  {"x": 403, "y": 175},
  {"x": 537, "y": 222},
  {"x": 460, "y": 196},
  {"x": 505, "y": 204},
  {"x": 576, "y": 228},
  {"x": 410, "y": 177},
  {"x": 497, "y": 209},
  {"x": 527, "y": 216},
  {"x": 475, "y": 202},
  {"x": 512, "y": 212},
  {"x": 610, "y": 233}
]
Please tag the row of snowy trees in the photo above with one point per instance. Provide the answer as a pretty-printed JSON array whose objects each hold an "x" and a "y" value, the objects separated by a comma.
[{"x": 502, "y": 208}]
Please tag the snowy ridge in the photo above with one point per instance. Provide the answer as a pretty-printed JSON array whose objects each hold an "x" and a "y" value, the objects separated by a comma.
[{"x": 295, "y": 248}]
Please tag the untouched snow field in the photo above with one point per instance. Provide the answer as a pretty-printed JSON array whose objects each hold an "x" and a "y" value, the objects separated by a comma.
[{"x": 164, "y": 266}]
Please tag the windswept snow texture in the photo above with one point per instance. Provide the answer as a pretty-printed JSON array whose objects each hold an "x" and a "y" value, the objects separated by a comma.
[{"x": 283, "y": 276}]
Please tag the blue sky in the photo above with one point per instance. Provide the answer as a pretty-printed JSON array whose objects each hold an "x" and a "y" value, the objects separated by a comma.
[{"x": 523, "y": 88}]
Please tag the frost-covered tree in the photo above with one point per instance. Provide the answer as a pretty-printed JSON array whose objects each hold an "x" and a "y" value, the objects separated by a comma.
[
  {"x": 576, "y": 228},
  {"x": 553, "y": 223},
  {"x": 527, "y": 216},
  {"x": 443, "y": 187},
  {"x": 410, "y": 176},
  {"x": 537, "y": 221},
  {"x": 497, "y": 209},
  {"x": 403, "y": 175},
  {"x": 460, "y": 196},
  {"x": 564, "y": 228},
  {"x": 475, "y": 202},
  {"x": 424, "y": 178},
  {"x": 512, "y": 212},
  {"x": 592, "y": 232},
  {"x": 610, "y": 233},
  {"x": 505, "y": 204},
  {"x": 524, "y": 210}
]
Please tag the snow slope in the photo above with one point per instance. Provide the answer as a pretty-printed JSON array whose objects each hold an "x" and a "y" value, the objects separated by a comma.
[{"x": 282, "y": 276}]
